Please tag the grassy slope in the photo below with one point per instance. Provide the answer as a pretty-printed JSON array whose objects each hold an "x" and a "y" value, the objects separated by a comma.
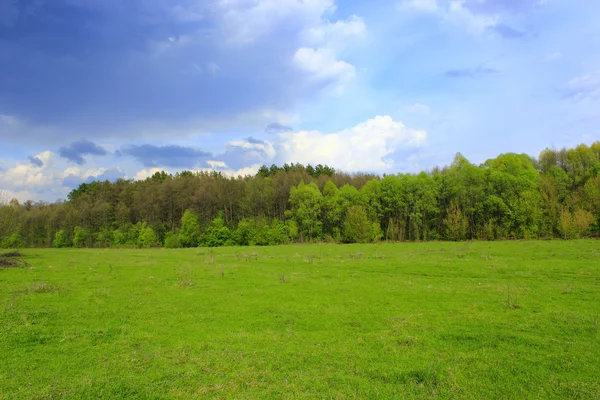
[{"x": 361, "y": 321}]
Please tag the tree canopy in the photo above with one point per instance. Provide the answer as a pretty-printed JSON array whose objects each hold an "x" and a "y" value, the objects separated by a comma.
[{"x": 510, "y": 196}]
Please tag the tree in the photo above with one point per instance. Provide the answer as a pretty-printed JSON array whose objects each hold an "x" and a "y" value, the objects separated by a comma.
[
  {"x": 81, "y": 237},
  {"x": 61, "y": 239},
  {"x": 456, "y": 224},
  {"x": 306, "y": 202},
  {"x": 189, "y": 233},
  {"x": 147, "y": 237},
  {"x": 357, "y": 228},
  {"x": 217, "y": 234}
]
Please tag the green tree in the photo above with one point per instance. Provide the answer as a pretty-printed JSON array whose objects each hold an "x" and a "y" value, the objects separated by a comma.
[
  {"x": 217, "y": 234},
  {"x": 147, "y": 237},
  {"x": 456, "y": 224},
  {"x": 81, "y": 237},
  {"x": 306, "y": 202},
  {"x": 189, "y": 233},
  {"x": 357, "y": 227},
  {"x": 61, "y": 239}
]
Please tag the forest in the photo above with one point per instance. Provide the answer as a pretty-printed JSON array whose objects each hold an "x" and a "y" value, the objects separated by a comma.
[{"x": 512, "y": 196}]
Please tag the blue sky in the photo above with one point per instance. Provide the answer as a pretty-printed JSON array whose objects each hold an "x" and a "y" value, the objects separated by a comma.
[{"x": 107, "y": 89}]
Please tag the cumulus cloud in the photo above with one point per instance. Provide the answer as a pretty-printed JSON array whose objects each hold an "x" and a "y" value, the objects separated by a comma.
[
  {"x": 365, "y": 147},
  {"x": 147, "y": 173},
  {"x": 170, "y": 156},
  {"x": 336, "y": 33},
  {"x": 323, "y": 67},
  {"x": 75, "y": 151}
]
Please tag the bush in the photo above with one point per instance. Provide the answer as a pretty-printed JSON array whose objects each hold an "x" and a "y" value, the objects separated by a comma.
[
  {"x": 147, "y": 237},
  {"x": 61, "y": 239},
  {"x": 12, "y": 241},
  {"x": 81, "y": 237},
  {"x": 217, "y": 234},
  {"x": 172, "y": 240}
]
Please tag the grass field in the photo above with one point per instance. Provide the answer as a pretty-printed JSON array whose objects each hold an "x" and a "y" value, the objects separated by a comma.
[{"x": 445, "y": 320}]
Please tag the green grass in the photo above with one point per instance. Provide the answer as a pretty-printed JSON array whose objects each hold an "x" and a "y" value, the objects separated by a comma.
[{"x": 447, "y": 320}]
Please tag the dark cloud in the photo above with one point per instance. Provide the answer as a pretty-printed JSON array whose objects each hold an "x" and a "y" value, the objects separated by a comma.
[
  {"x": 508, "y": 33},
  {"x": 472, "y": 73},
  {"x": 501, "y": 6},
  {"x": 166, "y": 156},
  {"x": 35, "y": 161},
  {"x": 276, "y": 127},
  {"x": 110, "y": 66},
  {"x": 75, "y": 151}
]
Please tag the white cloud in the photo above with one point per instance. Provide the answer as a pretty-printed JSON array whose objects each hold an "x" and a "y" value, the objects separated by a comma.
[
  {"x": 26, "y": 176},
  {"x": 336, "y": 33},
  {"x": 476, "y": 24},
  {"x": 323, "y": 65},
  {"x": 21, "y": 195},
  {"x": 216, "y": 164},
  {"x": 246, "y": 21},
  {"x": 146, "y": 173},
  {"x": 418, "y": 108},
  {"x": 365, "y": 147}
]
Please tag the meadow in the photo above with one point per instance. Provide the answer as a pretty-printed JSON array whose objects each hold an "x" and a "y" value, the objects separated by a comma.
[{"x": 510, "y": 320}]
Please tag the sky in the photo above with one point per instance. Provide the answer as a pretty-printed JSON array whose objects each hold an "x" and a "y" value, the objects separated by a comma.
[{"x": 109, "y": 89}]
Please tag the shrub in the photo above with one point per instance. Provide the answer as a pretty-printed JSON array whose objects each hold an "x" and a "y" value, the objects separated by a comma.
[
  {"x": 12, "y": 241},
  {"x": 61, "y": 239},
  {"x": 147, "y": 237},
  {"x": 172, "y": 240}
]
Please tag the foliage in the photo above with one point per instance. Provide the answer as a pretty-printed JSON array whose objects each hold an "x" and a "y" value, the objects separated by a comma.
[
  {"x": 81, "y": 237},
  {"x": 456, "y": 224},
  {"x": 217, "y": 234},
  {"x": 61, "y": 239},
  {"x": 172, "y": 240},
  {"x": 147, "y": 237},
  {"x": 357, "y": 228},
  {"x": 189, "y": 234},
  {"x": 12, "y": 241},
  {"x": 510, "y": 196}
]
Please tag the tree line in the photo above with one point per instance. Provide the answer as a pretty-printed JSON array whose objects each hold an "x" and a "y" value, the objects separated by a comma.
[{"x": 512, "y": 196}]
